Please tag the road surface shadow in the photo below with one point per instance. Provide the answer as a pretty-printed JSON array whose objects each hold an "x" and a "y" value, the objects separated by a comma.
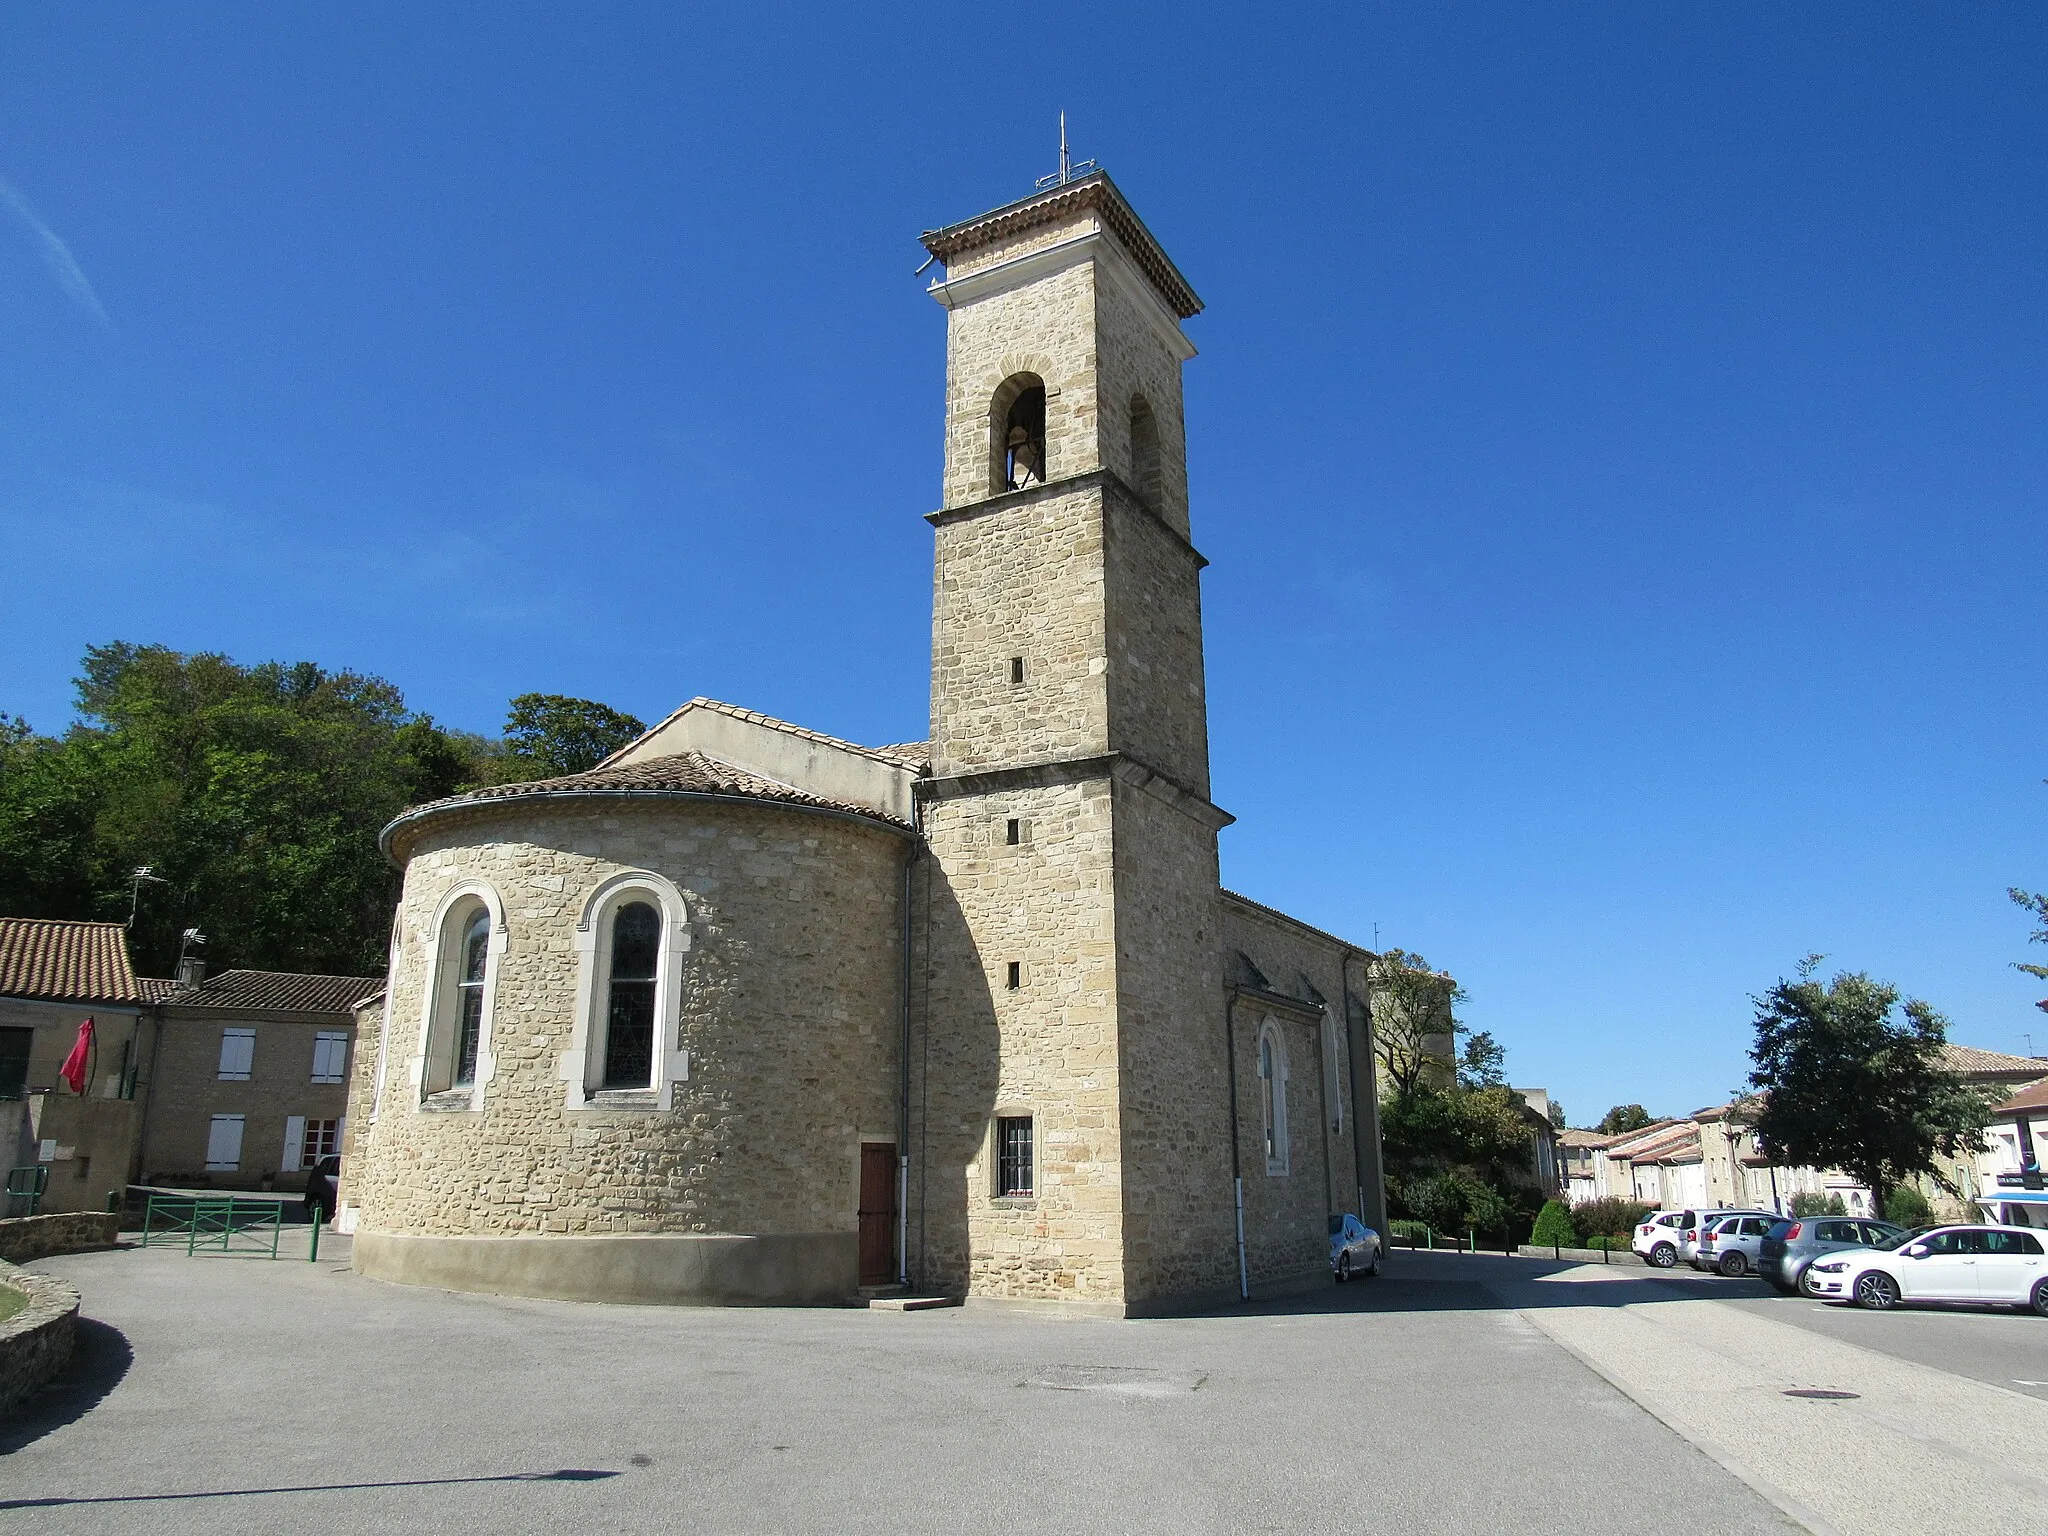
[{"x": 100, "y": 1357}]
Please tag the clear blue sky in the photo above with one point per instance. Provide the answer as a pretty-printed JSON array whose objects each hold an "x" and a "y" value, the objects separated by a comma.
[{"x": 1618, "y": 431}]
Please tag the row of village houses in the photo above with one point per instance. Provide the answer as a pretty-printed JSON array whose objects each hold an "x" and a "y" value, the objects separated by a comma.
[
  {"x": 107, "y": 1079},
  {"x": 1712, "y": 1157}
]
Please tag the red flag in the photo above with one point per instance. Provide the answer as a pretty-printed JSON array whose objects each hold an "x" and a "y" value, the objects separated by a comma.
[{"x": 73, "y": 1070}]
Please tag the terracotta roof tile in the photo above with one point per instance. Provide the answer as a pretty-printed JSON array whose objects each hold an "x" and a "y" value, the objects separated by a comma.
[
  {"x": 55, "y": 960},
  {"x": 1969, "y": 1061},
  {"x": 270, "y": 991},
  {"x": 692, "y": 773},
  {"x": 2033, "y": 1096}
]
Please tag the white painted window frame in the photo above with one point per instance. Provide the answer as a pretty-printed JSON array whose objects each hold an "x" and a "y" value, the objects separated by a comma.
[
  {"x": 582, "y": 1065},
  {"x": 1272, "y": 1047},
  {"x": 432, "y": 1068}
]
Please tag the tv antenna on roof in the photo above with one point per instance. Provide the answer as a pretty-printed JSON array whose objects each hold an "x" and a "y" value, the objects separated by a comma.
[{"x": 1068, "y": 170}]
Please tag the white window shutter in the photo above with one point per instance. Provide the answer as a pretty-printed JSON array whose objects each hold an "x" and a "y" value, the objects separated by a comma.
[
  {"x": 224, "y": 1143},
  {"x": 294, "y": 1142},
  {"x": 237, "y": 1054}
]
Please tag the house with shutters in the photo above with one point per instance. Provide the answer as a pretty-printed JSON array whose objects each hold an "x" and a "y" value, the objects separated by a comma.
[{"x": 245, "y": 1082}]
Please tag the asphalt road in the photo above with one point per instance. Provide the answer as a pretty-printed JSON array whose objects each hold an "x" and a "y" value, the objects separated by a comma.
[{"x": 239, "y": 1395}]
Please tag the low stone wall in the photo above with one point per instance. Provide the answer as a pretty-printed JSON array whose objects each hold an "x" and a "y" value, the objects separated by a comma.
[
  {"x": 1582, "y": 1255},
  {"x": 26, "y": 1238},
  {"x": 36, "y": 1342}
]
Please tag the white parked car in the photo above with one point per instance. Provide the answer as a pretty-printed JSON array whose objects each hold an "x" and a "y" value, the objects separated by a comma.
[
  {"x": 1975, "y": 1265},
  {"x": 1656, "y": 1239},
  {"x": 1354, "y": 1248}
]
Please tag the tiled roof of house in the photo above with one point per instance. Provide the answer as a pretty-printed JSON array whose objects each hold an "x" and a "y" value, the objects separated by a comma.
[
  {"x": 1969, "y": 1061},
  {"x": 911, "y": 754},
  {"x": 56, "y": 960},
  {"x": 2033, "y": 1096},
  {"x": 1575, "y": 1137},
  {"x": 897, "y": 755},
  {"x": 1654, "y": 1141},
  {"x": 268, "y": 991},
  {"x": 684, "y": 773}
]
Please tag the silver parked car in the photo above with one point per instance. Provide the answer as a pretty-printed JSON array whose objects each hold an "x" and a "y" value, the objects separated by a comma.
[
  {"x": 1354, "y": 1248},
  {"x": 1731, "y": 1244},
  {"x": 1696, "y": 1221},
  {"x": 1793, "y": 1243}
]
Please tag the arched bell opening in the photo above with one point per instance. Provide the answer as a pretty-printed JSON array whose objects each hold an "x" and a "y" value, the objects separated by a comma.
[
  {"x": 1016, "y": 422},
  {"x": 1144, "y": 452}
]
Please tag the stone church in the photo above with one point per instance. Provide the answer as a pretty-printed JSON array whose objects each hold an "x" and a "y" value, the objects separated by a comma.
[{"x": 749, "y": 1014}]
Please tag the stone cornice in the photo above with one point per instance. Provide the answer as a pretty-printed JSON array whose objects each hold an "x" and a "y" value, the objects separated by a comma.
[
  {"x": 1052, "y": 772},
  {"x": 1095, "y": 193},
  {"x": 1281, "y": 1002},
  {"x": 1087, "y": 480}
]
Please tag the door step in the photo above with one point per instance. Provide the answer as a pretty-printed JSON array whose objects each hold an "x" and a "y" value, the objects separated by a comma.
[{"x": 906, "y": 1303}]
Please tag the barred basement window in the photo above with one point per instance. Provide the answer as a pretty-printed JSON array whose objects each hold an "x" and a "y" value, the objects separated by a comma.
[{"x": 1013, "y": 1156}]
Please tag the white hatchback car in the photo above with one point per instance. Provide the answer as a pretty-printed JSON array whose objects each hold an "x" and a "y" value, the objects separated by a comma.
[
  {"x": 1656, "y": 1238},
  {"x": 1976, "y": 1265}
]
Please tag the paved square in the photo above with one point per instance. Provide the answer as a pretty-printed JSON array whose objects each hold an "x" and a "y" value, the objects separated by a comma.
[{"x": 1407, "y": 1404}]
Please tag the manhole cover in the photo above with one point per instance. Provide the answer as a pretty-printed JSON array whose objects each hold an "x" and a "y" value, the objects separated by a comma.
[{"x": 1822, "y": 1394}]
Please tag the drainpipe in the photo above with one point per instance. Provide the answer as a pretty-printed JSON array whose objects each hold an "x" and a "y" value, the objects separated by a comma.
[
  {"x": 1244, "y": 1289},
  {"x": 903, "y": 1086}
]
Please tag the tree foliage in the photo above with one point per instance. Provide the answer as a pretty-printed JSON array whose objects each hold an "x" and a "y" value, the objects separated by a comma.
[
  {"x": 549, "y": 734},
  {"x": 1414, "y": 1020},
  {"x": 1484, "y": 1062},
  {"x": 1622, "y": 1119},
  {"x": 253, "y": 793},
  {"x": 1852, "y": 1079}
]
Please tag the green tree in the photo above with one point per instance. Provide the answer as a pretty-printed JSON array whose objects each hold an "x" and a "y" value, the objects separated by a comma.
[
  {"x": 1852, "y": 1079},
  {"x": 1414, "y": 1020},
  {"x": 549, "y": 734},
  {"x": 1622, "y": 1119},
  {"x": 255, "y": 793},
  {"x": 1557, "y": 1116},
  {"x": 1484, "y": 1062}
]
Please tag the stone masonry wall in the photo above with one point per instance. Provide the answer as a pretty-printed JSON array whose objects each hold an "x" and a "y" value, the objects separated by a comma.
[
  {"x": 1158, "y": 704},
  {"x": 1179, "y": 1228},
  {"x": 1285, "y": 1216},
  {"x": 789, "y": 1011},
  {"x": 1133, "y": 358},
  {"x": 1021, "y": 580},
  {"x": 188, "y": 1092},
  {"x": 1047, "y": 328},
  {"x": 35, "y": 1343},
  {"x": 1046, "y": 1049}
]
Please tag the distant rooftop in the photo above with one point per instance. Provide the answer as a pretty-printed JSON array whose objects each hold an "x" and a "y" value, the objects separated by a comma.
[
  {"x": 269, "y": 991},
  {"x": 56, "y": 960}
]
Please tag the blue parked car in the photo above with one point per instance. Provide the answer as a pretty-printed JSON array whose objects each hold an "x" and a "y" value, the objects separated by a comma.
[{"x": 1354, "y": 1248}]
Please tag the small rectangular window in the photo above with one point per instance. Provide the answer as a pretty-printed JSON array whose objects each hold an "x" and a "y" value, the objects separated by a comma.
[
  {"x": 1013, "y": 1155},
  {"x": 1016, "y": 832},
  {"x": 224, "y": 1144},
  {"x": 237, "y": 1054},
  {"x": 14, "y": 1049},
  {"x": 1016, "y": 974},
  {"x": 330, "y": 1057},
  {"x": 1016, "y": 669},
  {"x": 323, "y": 1139}
]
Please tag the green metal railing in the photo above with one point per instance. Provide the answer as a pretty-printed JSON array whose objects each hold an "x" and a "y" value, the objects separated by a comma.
[{"x": 214, "y": 1224}]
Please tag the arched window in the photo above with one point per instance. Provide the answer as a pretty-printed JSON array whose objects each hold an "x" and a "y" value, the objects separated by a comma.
[
  {"x": 455, "y": 1052},
  {"x": 469, "y": 996},
  {"x": 1273, "y": 1096},
  {"x": 635, "y": 963},
  {"x": 1144, "y": 452},
  {"x": 1016, "y": 421}
]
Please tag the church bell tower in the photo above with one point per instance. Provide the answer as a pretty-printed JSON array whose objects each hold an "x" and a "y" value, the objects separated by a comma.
[{"x": 1070, "y": 997}]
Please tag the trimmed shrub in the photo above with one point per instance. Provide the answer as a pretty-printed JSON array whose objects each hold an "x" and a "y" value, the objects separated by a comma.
[
  {"x": 1818, "y": 1205},
  {"x": 1908, "y": 1207},
  {"x": 1554, "y": 1227},
  {"x": 1414, "y": 1231},
  {"x": 1611, "y": 1217}
]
